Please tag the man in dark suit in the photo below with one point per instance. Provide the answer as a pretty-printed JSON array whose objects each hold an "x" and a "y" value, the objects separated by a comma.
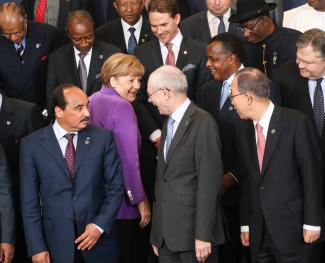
[
  {"x": 281, "y": 210},
  {"x": 54, "y": 13},
  {"x": 186, "y": 222},
  {"x": 188, "y": 55},
  {"x": 24, "y": 49},
  {"x": 206, "y": 24},
  {"x": 17, "y": 119},
  {"x": 79, "y": 62},
  {"x": 267, "y": 45},
  {"x": 71, "y": 185},
  {"x": 7, "y": 219},
  {"x": 129, "y": 30}
]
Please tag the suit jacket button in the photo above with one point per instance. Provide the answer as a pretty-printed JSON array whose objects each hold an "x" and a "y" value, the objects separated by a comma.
[
  {"x": 261, "y": 188},
  {"x": 74, "y": 198},
  {"x": 165, "y": 181}
]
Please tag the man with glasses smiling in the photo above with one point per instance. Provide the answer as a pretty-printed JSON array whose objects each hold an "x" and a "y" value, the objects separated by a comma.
[
  {"x": 24, "y": 48},
  {"x": 267, "y": 45},
  {"x": 79, "y": 62}
]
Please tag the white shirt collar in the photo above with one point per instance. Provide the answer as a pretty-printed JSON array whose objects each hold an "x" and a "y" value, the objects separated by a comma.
[
  {"x": 59, "y": 131},
  {"x": 176, "y": 41},
  {"x": 266, "y": 118},
  {"x": 76, "y": 52},
  {"x": 0, "y": 101},
  {"x": 231, "y": 78},
  {"x": 212, "y": 16},
  {"x": 178, "y": 114},
  {"x": 137, "y": 25}
]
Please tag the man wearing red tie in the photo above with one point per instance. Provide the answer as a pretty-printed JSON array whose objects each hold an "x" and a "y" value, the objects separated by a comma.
[{"x": 280, "y": 165}]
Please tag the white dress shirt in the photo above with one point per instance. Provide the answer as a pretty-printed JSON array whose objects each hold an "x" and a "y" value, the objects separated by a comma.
[
  {"x": 127, "y": 33},
  {"x": 87, "y": 58},
  {"x": 177, "y": 41},
  {"x": 214, "y": 22}
]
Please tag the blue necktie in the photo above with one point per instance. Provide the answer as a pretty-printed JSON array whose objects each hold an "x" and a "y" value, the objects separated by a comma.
[
  {"x": 221, "y": 27},
  {"x": 169, "y": 136},
  {"x": 132, "y": 41},
  {"x": 224, "y": 93},
  {"x": 318, "y": 108}
]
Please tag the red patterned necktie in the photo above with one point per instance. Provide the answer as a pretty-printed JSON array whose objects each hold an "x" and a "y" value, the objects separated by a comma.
[
  {"x": 70, "y": 153},
  {"x": 260, "y": 144},
  {"x": 40, "y": 11},
  {"x": 170, "y": 59}
]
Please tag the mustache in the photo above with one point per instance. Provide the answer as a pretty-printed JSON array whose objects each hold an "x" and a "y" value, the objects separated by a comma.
[{"x": 85, "y": 119}]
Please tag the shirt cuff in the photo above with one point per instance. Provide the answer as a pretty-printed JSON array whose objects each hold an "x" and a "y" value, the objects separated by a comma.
[
  {"x": 99, "y": 228},
  {"x": 312, "y": 228},
  {"x": 155, "y": 135},
  {"x": 244, "y": 229}
]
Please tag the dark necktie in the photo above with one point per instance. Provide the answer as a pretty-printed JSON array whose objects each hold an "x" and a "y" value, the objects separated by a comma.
[
  {"x": 260, "y": 144},
  {"x": 132, "y": 41},
  {"x": 82, "y": 71},
  {"x": 319, "y": 114},
  {"x": 221, "y": 27},
  {"x": 21, "y": 51},
  {"x": 170, "y": 59},
  {"x": 70, "y": 153},
  {"x": 169, "y": 135},
  {"x": 40, "y": 11}
]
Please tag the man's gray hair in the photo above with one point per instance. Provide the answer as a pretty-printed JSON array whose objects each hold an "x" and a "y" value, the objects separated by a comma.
[
  {"x": 169, "y": 77},
  {"x": 253, "y": 80}
]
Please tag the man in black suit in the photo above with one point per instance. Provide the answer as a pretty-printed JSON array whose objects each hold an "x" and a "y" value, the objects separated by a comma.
[
  {"x": 24, "y": 49},
  {"x": 54, "y": 13},
  {"x": 206, "y": 24},
  {"x": 186, "y": 220},
  {"x": 128, "y": 31},
  {"x": 267, "y": 45},
  {"x": 17, "y": 119},
  {"x": 7, "y": 219},
  {"x": 281, "y": 211},
  {"x": 80, "y": 62}
]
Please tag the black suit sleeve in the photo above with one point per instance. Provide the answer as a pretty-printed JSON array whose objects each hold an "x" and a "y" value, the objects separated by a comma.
[{"x": 7, "y": 212}]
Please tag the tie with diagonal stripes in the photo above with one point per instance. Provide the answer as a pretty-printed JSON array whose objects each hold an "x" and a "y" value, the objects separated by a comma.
[
  {"x": 170, "y": 59},
  {"x": 21, "y": 51},
  {"x": 260, "y": 144}
]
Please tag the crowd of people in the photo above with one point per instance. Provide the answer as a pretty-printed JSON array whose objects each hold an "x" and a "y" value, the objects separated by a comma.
[{"x": 136, "y": 131}]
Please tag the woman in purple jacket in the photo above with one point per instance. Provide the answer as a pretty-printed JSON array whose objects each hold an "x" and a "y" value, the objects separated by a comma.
[{"x": 111, "y": 108}]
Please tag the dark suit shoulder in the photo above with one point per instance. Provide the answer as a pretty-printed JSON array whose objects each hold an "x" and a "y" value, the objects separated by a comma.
[
  {"x": 108, "y": 29},
  {"x": 35, "y": 29},
  {"x": 194, "y": 44},
  {"x": 189, "y": 22},
  {"x": 106, "y": 47}
]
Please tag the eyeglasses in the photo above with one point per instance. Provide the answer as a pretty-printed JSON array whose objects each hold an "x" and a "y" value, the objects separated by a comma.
[
  {"x": 150, "y": 94},
  {"x": 249, "y": 29},
  {"x": 231, "y": 97}
]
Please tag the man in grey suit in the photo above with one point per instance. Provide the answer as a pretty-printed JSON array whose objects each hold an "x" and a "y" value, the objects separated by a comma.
[
  {"x": 7, "y": 219},
  {"x": 186, "y": 222}
]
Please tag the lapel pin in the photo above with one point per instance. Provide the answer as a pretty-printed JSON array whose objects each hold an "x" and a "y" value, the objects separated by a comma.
[
  {"x": 145, "y": 35},
  {"x": 273, "y": 131},
  {"x": 231, "y": 108},
  {"x": 186, "y": 123},
  {"x": 142, "y": 40},
  {"x": 8, "y": 123},
  {"x": 38, "y": 45},
  {"x": 101, "y": 56},
  {"x": 87, "y": 141},
  {"x": 185, "y": 52}
]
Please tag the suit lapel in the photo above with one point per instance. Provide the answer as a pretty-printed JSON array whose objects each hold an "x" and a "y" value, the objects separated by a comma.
[
  {"x": 72, "y": 65},
  {"x": 182, "y": 127},
  {"x": 183, "y": 55},
  {"x": 273, "y": 135},
  {"x": 145, "y": 33},
  {"x": 6, "y": 118},
  {"x": 205, "y": 27},
  {"x": 51, "y": 145},
  {"x": 155, "y": 53},
  {"x": 120, "y": 36},
  {"x": 83, "y": 145},
  {"x": 94, "y": 68},
  {"x": 304, "y": 97}
]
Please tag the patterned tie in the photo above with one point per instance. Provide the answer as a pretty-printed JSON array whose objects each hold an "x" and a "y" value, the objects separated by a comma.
[
  {"x": 319, "y": 114},
  {"x": 224, "y": 93},
  {"x": 21, "y": 51},
  {"x": 170, "y": 59},
  {"x": 82, "y": 71},
  {"x": 221, "y": 27},
  {"x": 132, "y": 41},
  {"x": 70, "y": 153},
  {"x": 40, "y": 11},
  {"x": 169, "y": 136},
  {"x": 260, "y": 144}
]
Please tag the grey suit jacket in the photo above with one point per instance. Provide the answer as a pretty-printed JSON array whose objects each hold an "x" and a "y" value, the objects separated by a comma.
[{"x": 186, "y": 204}]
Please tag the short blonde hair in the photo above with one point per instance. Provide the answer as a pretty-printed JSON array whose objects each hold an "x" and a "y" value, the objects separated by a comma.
[{"x": 121, "y": 65}]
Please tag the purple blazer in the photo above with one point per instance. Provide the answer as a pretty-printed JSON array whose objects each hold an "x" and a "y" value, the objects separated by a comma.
[{"x": 109, "y": 110}]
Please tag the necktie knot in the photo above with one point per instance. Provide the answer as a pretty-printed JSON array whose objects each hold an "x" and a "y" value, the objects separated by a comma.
[
  {"x": 131, "y": 30},
  {"x": 220, "y": 18},
  {"x": 259, "y": 128},
  {"x": 171, "y": 121},
  {"x": 319, "y": 82},
  {"x": 222, "y": 26},
  {"x": 169, "y": 46},
  {"x": 69, "y": 136},
  {"x": 82, "y": 55},
  {"x": 170, "y": 59}
]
